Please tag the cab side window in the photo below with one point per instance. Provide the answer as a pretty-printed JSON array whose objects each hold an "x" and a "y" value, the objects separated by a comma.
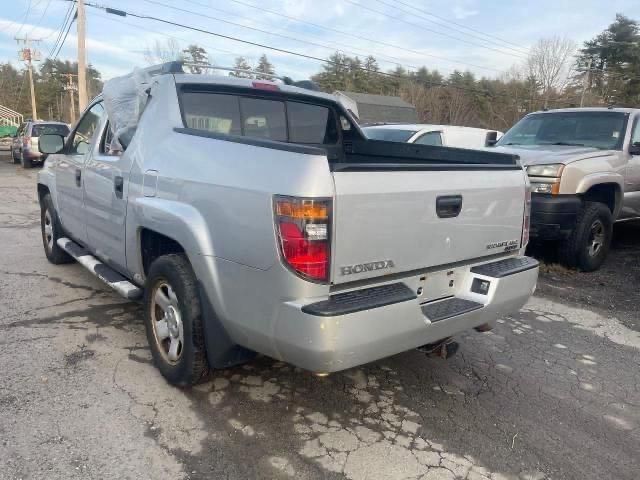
[{"x": 83, "y": 135}]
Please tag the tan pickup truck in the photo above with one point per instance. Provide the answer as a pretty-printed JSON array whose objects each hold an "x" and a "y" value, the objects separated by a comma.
[{"x": 584, "y": 168}]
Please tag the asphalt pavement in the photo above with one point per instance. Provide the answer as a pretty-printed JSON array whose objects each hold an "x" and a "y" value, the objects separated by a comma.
[{"x": 552, "y": 393}]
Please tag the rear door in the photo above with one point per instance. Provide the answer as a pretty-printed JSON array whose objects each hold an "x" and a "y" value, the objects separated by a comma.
[
  {"x": 392, "y": 218},
  {"x": 69, "y": 175},
  {"x": 106, "y": 176}
]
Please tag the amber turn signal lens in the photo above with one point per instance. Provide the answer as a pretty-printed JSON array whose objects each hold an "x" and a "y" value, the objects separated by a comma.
[{"x": 306, "y": 209}]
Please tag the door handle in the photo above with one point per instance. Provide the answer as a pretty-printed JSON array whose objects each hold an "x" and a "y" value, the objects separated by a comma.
[
  {"x": 78, "y": 177},
  {"x": 449, "y": 206},
  {"x": 118, "y": 186}
]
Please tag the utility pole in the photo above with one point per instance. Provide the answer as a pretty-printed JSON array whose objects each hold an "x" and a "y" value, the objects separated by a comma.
[
  {"x": 82, "y": 58},
  {"x": 71, "y": 87},
  {"x": 585, "y": 83},
  {"x": 29, "y": 55}
]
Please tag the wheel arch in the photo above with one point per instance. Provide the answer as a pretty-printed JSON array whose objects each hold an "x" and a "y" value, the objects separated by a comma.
[
  {"x": 608, "y": 193},
  {"x": 166, "y": 226},
  {"x": 42, "y": 191}
]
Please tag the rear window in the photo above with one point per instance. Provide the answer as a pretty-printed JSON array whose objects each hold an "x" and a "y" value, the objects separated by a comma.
[
  {"x": 49, "y": 129},
  {"x": 279, "y": 120},
  {"x": 430, "y": 138},
  {"x": 388, "y": 134}
]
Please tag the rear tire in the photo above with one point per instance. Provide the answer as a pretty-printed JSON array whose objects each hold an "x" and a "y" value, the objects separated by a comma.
[
  {"x": 588, "y": 245},
  {"x": 14, "y": 158},
  {"x": 51, "y": 232},
  {"x": 26, "y": 162},
  {"x": 173, "y": 321}
]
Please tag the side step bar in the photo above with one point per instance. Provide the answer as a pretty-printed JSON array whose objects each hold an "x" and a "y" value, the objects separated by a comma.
[{"x": 109, "y": 276}]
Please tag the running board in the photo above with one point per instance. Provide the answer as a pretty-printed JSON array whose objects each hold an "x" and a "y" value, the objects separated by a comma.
[{"x": 109, "y": 276}]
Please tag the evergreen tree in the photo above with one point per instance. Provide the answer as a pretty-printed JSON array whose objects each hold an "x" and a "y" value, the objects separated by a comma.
[
  {"x": 196, "y": 54},
  {"x": 265, "y": 67},
  {"x": 614, "y": 57},
  {"x": 241, "y": 64}
]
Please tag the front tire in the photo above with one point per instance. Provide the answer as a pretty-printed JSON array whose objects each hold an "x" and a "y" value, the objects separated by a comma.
[
  {"x": 588, "y": 245},
  {"x": 51, "y": 232},
  {"x": 173, "y": 321}
]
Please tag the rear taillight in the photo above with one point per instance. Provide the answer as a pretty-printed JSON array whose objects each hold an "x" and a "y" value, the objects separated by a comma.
[
  {"x": 526, "y": 222},
  {"x": 304, "y": 235}
]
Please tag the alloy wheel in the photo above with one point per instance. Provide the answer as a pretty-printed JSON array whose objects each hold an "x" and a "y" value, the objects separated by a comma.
[
  {"x": 166, "y": 319},
  {"x": 597, "y": 237}
]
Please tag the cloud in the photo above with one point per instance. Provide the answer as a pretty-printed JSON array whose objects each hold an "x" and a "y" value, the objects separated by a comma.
[{"x": 461, "y": 12}]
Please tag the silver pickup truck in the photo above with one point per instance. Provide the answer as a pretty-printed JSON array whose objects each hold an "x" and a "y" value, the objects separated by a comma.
[{"x": 253, "y": 216}]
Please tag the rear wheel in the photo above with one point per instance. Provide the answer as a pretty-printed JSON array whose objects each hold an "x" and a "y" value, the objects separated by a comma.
[
  {"x": 26, "y": 162},
  {"x": 51, "y": 232},
  {"x": 173, "y": 320},
  {"x": 588, "y": 245},
  {"x": 14, "y": 158}
]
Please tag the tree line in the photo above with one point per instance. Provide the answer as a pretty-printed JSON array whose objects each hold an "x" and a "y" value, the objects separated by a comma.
[{"x": 556, "y": 73}]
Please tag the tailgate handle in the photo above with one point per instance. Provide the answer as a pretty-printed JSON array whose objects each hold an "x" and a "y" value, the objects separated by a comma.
[{"x": 449, "y": 206}]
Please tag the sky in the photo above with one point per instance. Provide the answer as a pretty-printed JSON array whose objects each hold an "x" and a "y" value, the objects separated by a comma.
[{"x": 486, "y": 37}]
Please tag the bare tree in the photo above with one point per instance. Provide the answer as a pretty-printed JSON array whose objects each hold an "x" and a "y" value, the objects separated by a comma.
[
  {"x": 161, "y": 52},
  {"x": 550, "y": 64},
  {"x": 458, "y": 107}
]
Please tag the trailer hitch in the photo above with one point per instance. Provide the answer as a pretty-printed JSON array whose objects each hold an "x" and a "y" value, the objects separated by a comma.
[{"x": 445, "y": 348}]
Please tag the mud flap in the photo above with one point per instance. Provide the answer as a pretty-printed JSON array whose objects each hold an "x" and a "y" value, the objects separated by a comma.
[{"x": 222, "y": 352}]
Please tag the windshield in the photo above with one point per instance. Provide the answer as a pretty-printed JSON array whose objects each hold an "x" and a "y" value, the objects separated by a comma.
[
  {"x": 388, "y": 134},
  {"x": 603, "y": 130},
  {"x": 49, "y": 129}
]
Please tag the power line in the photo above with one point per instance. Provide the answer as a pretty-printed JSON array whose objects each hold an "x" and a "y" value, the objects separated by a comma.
[
  {"x": 24, "y": 19},
  {"x": 394, "y": 61},
  {"x": 460, "y": 25},
  {"x": 123, "y": 13},
  {"x": 65, "y": 37},
  {"x": 44, "y": 12},
  {"x": 124, "y": 22},
  {"x": 422, "y": 27},
  {"x": 359, "y": 37},
  {"x": 449, "y": 27},
  {"x": 61, "y": 29}
]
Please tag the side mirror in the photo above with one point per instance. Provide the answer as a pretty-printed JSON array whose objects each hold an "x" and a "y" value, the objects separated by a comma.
[
  {"x": 491, "y": 139},
  {"x": 634, "y": 148},
  {"x": 50, "y": 143}
]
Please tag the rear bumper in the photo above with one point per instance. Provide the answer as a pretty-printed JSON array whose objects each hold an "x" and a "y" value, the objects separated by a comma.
[
  {"x": 33, "y": 155},
  {"x": 553, "y": 216},
  {"x": 313, "y": 337},
  {"x": 29, "y": 154}
]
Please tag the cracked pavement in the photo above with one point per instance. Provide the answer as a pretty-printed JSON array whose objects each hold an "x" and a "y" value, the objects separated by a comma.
[{"x": 553, "y": 392}]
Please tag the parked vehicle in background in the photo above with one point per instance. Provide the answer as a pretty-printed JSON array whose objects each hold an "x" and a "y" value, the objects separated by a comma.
[
  {"x": 5, "y": 143},
  {"x": 256, "y": 217},
  {"x": 439, "y": 135},
  {"x": 584, "y": 168},
  {"x": 25, "y": 143},
  {"x": 7, "y": 132}
]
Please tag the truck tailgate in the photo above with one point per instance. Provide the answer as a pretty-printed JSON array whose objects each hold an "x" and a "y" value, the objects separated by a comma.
[{"x": 390, "y": 221}]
